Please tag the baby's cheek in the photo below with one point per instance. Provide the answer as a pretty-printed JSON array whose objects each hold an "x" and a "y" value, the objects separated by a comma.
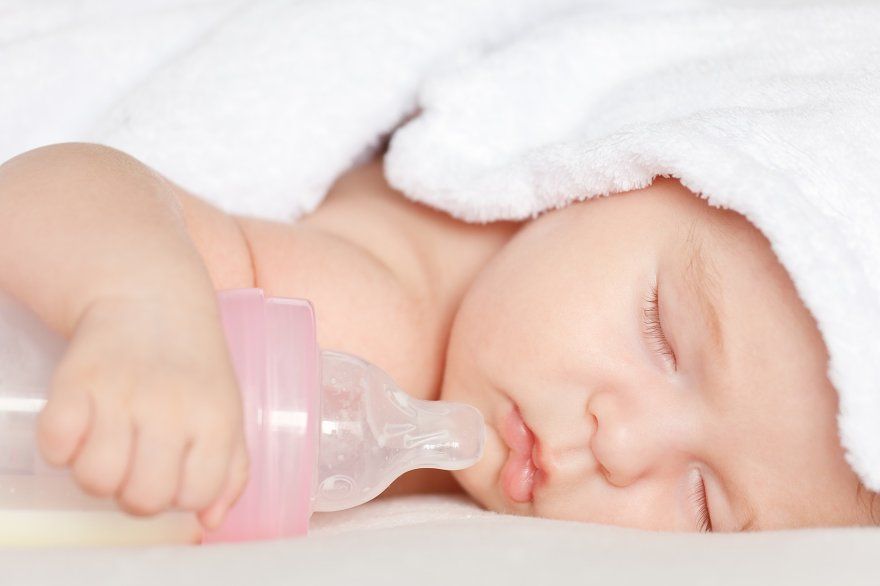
[{"x": 473, "y": 482}]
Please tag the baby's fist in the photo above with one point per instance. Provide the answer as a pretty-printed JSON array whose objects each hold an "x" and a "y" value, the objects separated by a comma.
[{"x": 144, "y": 407}]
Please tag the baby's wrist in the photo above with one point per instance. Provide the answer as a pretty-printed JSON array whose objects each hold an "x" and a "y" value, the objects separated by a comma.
[{"x": 192, "y": 298}]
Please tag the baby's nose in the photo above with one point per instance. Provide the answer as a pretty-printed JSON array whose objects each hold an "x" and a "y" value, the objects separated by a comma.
[{"x": 634, "y": 437}]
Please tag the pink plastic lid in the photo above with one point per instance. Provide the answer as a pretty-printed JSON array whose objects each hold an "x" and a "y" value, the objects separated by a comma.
[{"x": 274, "y": 349}]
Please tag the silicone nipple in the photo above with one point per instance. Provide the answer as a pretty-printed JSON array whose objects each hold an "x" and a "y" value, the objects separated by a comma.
[{"x": 371, "y": 432}]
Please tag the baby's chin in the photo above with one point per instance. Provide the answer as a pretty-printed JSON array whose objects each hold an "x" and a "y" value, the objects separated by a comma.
[{"x": 469, "y": 484}]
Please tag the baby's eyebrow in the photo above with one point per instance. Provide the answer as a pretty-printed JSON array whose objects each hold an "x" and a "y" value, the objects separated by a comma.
[{"x": 702, "y": 277}]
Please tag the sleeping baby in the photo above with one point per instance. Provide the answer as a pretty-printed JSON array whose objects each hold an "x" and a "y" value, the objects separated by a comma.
[{"x": 640, "y": 359}]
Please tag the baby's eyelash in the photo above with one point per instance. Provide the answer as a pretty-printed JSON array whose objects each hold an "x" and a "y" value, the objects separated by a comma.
[
  {"x": 699, "y": 498},
  {"x": 653, "y": 328}
]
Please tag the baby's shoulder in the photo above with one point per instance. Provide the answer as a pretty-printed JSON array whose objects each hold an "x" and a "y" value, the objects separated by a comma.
[{"x": 361, "y": 208}]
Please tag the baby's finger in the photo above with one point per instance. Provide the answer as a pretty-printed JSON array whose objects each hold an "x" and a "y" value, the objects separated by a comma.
[
  {"x": 205, "y": 468},
  {"x": 236, "y": 481},
  {"x": 154, "y": 471},
  {"x": 63, "y": 423},
  {"x": 101, "y": 463}
]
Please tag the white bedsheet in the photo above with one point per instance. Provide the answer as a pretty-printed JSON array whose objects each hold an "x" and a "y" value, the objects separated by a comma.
[{"x": 447, "y": 540}]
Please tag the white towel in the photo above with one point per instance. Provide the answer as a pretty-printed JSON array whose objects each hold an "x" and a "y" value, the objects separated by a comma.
[
  {"x": 773, "y": 111},
  {"x": 769, "y": 108},
  {"x": 255, "y": 104}
]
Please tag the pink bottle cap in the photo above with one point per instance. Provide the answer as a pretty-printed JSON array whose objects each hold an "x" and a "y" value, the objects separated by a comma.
[{"x": 274, "y": 350}]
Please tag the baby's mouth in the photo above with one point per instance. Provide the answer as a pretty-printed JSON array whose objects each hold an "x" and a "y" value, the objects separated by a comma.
[{"x": 519, "y": 472}]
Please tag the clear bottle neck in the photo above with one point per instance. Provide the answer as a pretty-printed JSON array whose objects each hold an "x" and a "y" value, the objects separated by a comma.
[{"x": 371, "y": 432}]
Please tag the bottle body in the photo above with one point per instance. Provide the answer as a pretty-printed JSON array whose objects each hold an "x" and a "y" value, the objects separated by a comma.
[
  {"x": 273, "y": 347},
  {"x": 325, "y": 431}
]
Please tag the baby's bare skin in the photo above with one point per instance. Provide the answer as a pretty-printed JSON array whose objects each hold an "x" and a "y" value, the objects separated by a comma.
[{"x": 497, "y": 315}]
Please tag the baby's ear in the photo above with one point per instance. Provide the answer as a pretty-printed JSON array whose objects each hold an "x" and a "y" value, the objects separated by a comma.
[{"x": 870, "y": 500}]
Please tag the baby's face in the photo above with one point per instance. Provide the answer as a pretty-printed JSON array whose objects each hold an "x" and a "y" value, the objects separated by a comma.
[{"x": 655, "y": 348}]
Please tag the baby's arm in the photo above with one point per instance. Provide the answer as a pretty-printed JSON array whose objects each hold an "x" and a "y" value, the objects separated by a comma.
[{"x": 144, "y": 403}]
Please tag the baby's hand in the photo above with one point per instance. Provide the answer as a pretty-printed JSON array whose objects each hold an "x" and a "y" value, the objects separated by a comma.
[{"x": 144, "y": 406}]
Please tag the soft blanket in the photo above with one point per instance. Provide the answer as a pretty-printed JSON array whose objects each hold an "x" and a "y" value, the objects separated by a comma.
[
  {"x": 496, "y": 109},
  {"x": 399, "y": 540}
]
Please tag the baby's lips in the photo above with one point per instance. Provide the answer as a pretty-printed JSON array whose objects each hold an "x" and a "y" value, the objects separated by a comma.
[
  {"x": 519, "y": 471},
  {"x": 516, "y": 434},
  {"x": 518, "y": 477}
]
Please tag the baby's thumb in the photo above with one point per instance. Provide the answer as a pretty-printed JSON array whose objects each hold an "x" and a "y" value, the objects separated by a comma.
[{"x": 236, "y": 481}]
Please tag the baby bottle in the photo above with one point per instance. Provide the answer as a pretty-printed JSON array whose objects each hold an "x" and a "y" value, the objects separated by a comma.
[{"x": 325, "y": 431}]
